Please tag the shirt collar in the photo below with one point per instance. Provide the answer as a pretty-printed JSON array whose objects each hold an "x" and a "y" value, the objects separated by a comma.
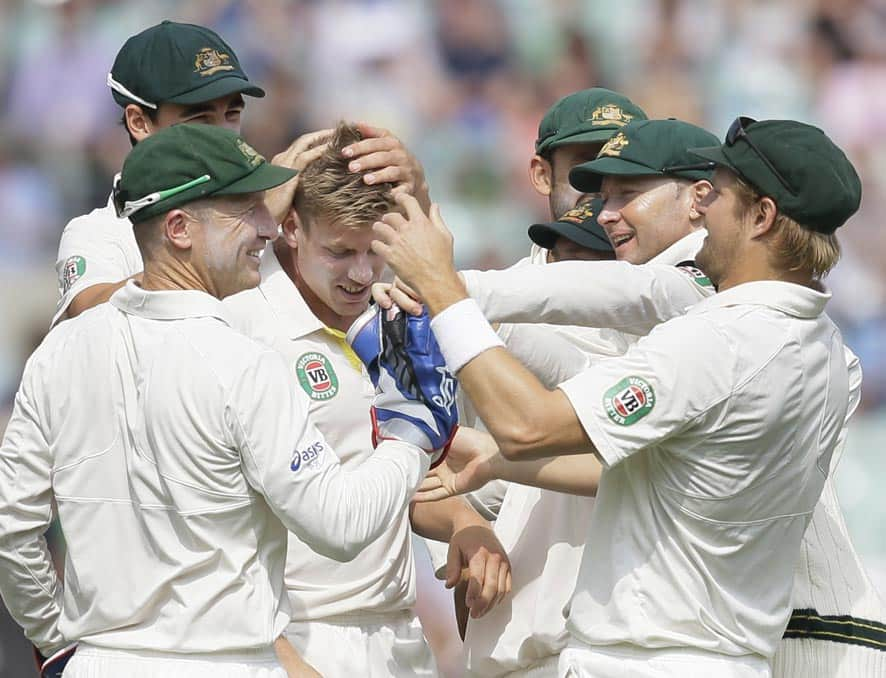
[
  {"x": 684, "y": 249},
  {"x": 168, "y": 304},
  {"x": 789, "y": 298},
  {"x": 284, "y": 298}
]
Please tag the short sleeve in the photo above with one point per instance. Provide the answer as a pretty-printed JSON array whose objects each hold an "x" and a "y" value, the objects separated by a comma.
[{"x": 664, "y": 385}]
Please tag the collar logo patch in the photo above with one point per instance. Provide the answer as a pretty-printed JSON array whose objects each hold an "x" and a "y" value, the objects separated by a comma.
[
  {"x": 578, "y": 214},
  {"x": 629, "y": 400},
  {"x": 252, "y": 156},
  {"x": 209, "y": 61},
  {"x": 610, "y": 114},
  {"x": 316, "y": 376},
  {"x": 72, "y": 271},
  {"x": 614, "y": 146},
  {"x": 699, "y": 276}
]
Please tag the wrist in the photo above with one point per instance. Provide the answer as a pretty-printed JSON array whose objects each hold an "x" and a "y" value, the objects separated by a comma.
[
  {"x": 444, "y": 294},
  {"x": 466, "y": 516}
]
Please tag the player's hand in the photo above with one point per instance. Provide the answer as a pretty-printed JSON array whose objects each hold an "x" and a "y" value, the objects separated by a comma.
[
  {"x": 469, "y": 465},
  {"x": 476, "y": 552},
  {"x": 301, "y": 152},
  {"x": 387, "y": 295},
  {"x": 418, "y": 248},
  {"x": 382, "y": 157}
]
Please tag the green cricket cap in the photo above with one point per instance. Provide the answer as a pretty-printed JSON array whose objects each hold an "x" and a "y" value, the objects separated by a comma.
[
  {"x": 585, "y": 117},
  {"x": 179, "y": 164},
  {"x": 578, "y": 225},
  {"x": 179, "y": 64},
  {"x": 647, "y": 148},
  {"x": 805, "y": 173}
]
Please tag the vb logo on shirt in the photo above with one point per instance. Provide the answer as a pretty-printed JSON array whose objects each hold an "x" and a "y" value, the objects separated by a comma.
[
  {"x": 316, "y": 376},
  {"x": 629, "y": 400}
]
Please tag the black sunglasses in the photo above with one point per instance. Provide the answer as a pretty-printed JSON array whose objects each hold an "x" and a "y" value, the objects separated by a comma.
[{"x": 737, "y": 131}]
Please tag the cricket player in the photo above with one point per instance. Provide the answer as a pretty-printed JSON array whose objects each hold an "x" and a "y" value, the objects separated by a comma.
[
  {"x": 168, "y": 74},
  {"x": 178, "y": 451},
  {"x": 316, "y": 280},
  {"x": 837, "y": 615},
  {"x": 715, "y": 431}
]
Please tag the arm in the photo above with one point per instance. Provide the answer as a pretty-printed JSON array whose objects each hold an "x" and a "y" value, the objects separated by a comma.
[
  {"x": 287, "y": 460},
  {"x": 613, "y": 294},
  {"x": 474, "y": 460},
  {"x": 305, "y": 149},
  {"x": 292, "y": 661},
  {"x": 93, "y": 296},
  {"x": 28, "y": 582}
]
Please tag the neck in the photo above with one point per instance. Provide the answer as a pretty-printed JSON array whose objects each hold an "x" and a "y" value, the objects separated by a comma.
[
  {"x": 286, "y": 256},
  {"x": 173, "y": 275}
]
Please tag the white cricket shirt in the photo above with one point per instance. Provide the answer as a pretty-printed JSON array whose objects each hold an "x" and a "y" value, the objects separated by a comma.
[
  {"x": 95, "y": 248},
  {"x": 178, "y": 452},
  {"x": 321, "y": 365},
  {"x": 716, "y": 431}
]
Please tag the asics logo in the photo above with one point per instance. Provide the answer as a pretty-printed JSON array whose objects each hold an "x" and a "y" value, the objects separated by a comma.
[{"x": 446, "y": 397}]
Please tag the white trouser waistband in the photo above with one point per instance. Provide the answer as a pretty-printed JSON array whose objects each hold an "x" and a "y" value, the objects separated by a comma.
[
  {"x": 259, "y": 655},
  {"x": 677, "y": 653}
]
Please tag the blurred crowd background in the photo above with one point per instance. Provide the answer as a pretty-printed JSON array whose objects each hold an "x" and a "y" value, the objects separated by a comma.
[{"x": 464, "y": 83}]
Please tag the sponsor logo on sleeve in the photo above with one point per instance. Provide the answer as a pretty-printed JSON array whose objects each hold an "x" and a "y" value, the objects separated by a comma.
[
  {"x": 308, "y": 457},
  {"x": 629, "y": 401},
  {"x": 316, "y": 376},
  {"x": 72, "y": 271}
]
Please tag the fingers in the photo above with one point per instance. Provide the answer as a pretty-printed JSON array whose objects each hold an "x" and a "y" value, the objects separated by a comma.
[
  {"x": 381, "y": 294},
  {"x": 477, "y": 568},
  {"x": 305, "y": 141},
  {"x": 409, "y": 205},
  {"x": 493, "y": 583},
  {"x": 453, "y": 565},
  {"x": 304, "y": 159},
  {"x": 408, "y": 304},
  {"x": 367, "y": 130}
]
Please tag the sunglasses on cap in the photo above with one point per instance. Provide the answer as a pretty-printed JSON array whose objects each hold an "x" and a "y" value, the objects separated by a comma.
[
  {"x": 126, "y": 208},
  {"x": 737, "y": 131}
]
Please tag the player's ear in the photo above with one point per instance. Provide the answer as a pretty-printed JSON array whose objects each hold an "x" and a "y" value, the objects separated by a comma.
[
  {"x": 698, "y": 192},
  {"x": 177, "y": 227},
  {"x": 290, "y": 228},
  {"x": 541, "y": 175},
  {"x": 137, "y": 122},
  {"x": 763, "y": 213}
]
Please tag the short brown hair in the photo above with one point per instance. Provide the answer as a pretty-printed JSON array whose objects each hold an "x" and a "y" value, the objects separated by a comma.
[
  {"x": 795, "y": 248},
  {"x": 327, "y": 188}
]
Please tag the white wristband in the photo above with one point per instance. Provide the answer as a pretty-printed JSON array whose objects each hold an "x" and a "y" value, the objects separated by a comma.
[{"x": 463, "y": 333}]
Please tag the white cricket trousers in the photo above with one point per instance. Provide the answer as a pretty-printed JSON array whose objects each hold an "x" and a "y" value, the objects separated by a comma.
[
  {"x": 581, "y": 661},
  {"x": 543, "y": 668},
  {"x": 369, "y": 646},
  {"x": 98, "y": 662}
]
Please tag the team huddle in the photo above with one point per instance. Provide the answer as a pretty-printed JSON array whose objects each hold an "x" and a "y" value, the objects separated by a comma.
[{"x": 620, "y": 449}]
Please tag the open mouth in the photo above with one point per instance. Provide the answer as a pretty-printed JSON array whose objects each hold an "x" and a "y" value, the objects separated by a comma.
[
  {"x": 356, "y": 293},
  {"x": 254, "y": 254},
  {"x": 620, "y": 239}
]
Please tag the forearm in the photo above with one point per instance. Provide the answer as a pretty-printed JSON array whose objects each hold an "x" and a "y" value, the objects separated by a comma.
[
  {"x": 571, "y": 474},
  {"x": 525, "y": 418},
  {"x": 439, "y": 520},
  {"x": 92, "y": 296}
]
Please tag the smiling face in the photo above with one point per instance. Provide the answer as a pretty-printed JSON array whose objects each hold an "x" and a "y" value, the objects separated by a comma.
[
  {"x": 643, "y": 216},
  {"x": 227, "y": 239},
  {"x": 335, "y": 268}
]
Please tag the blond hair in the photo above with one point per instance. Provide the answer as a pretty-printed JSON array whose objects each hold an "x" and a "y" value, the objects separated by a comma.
[
  {"x": 794, "y": 247},
  {"x": 327, "y": 188}
]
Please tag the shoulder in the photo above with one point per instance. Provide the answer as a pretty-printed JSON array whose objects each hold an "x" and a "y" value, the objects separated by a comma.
[{"x": 103, "y": 219}]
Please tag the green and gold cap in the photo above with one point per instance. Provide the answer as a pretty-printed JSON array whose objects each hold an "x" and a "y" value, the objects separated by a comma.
[
  {"x": 179, "y": 64},
  {"x": 807, "y": 175},
  {"x": 647, "y": 148},
  {"x": 179, "y": 164},
  {"x": 578, "y": 225},
  {"x": 584, "y": 117}
]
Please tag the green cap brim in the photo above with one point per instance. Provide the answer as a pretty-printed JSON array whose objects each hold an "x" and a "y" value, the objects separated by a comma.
[
  {"x": 592, "y": 136},
  {"x": 264, "y": 177},
  {"x": 587, "y": 177},
  {"x": 221, "y": 87},
  {"x": 545, "y": 235},
  {"x": 713, "y": 153}
]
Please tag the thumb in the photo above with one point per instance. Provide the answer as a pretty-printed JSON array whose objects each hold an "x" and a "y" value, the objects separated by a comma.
[{"x": 453, "y": 566}]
